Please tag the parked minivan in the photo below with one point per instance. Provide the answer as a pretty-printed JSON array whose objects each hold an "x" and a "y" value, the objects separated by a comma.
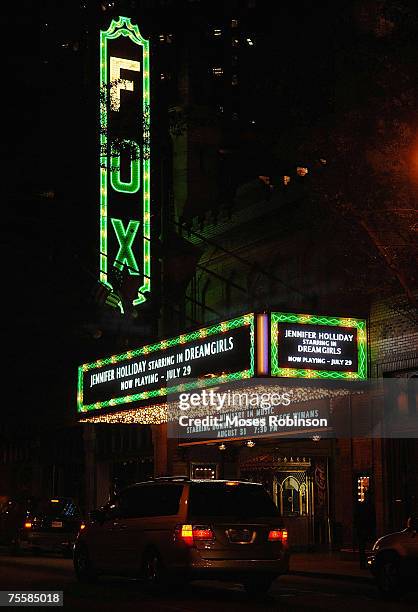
[{"x": 177, "y": 529}]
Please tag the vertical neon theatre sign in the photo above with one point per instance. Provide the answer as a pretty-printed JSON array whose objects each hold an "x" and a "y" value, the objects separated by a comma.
[{"x": 125, "y": 230}]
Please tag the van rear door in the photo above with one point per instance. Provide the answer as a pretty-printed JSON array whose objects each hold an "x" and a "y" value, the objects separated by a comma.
[{"x": 241, "y": 517}]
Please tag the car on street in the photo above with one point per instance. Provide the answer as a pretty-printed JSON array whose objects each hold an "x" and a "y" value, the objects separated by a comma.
[
  {"x": 37, "y": 525},
  {"x": 171, "y": 530},
  {"x": 394, "y": 561}
]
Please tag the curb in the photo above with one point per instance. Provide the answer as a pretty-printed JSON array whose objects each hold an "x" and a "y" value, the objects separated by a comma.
[{"x": 332, "y": 576}]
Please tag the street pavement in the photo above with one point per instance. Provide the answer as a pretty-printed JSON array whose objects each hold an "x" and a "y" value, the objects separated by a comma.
[
  {"x": 329, "y": 565},
  {"x": 297, "y": 592}
]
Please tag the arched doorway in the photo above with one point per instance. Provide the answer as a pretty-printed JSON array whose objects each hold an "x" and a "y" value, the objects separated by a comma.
[{"x": 293, "y": 485}]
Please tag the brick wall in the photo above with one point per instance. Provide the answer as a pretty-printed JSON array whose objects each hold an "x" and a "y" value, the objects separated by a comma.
[
  {"x": 393, "y": 349},
  {"x": 393, "y": 336}
]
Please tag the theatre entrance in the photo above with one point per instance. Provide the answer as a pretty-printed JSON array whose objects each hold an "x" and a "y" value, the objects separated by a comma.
[{"x": 298, "y": 486}]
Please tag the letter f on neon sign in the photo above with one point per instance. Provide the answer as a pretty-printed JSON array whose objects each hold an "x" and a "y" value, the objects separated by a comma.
[
  {"x": 116, "y": 64},
  {"x": 125, "y": 238}
]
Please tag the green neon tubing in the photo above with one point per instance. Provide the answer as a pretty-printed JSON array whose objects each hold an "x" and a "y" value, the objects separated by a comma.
[
  {"x": 285, "y": 317},
  {"x": 224, "y": 327},
  {"x": 126, "y": 238},
  {"x": 122, "y": 26},
  {"x": 131, "y": 186}
]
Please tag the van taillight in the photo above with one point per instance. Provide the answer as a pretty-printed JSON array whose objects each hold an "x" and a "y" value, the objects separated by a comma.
[
  {"x": 202, "y": 533},
  {"x": 278, "y": 535},
  {"x": 186, "y": 534},
  {"x": 189, "y": 534}
]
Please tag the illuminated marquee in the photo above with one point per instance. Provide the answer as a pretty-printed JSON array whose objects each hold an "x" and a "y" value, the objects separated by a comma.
[
  {"x": 125, "y": 229},
  {"x": 209, "y": 356},
  {"x": 315, "y": 346}
]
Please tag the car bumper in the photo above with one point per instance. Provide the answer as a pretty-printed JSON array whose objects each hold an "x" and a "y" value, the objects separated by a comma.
[
  {"x": 48, "y": 541},
  {"x": 198, "y": 567}
]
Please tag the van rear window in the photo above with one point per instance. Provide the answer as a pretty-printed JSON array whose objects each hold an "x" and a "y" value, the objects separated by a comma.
[{"x": 239, "y": 501}]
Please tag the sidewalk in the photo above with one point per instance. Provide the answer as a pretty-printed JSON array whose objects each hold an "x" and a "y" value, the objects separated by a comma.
[{"x": 337, "y": 565}]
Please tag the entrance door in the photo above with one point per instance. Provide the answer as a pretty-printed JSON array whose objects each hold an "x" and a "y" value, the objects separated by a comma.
[
  {"x": 299, "y": 487},
  {"x": 293, "y": 496}
]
